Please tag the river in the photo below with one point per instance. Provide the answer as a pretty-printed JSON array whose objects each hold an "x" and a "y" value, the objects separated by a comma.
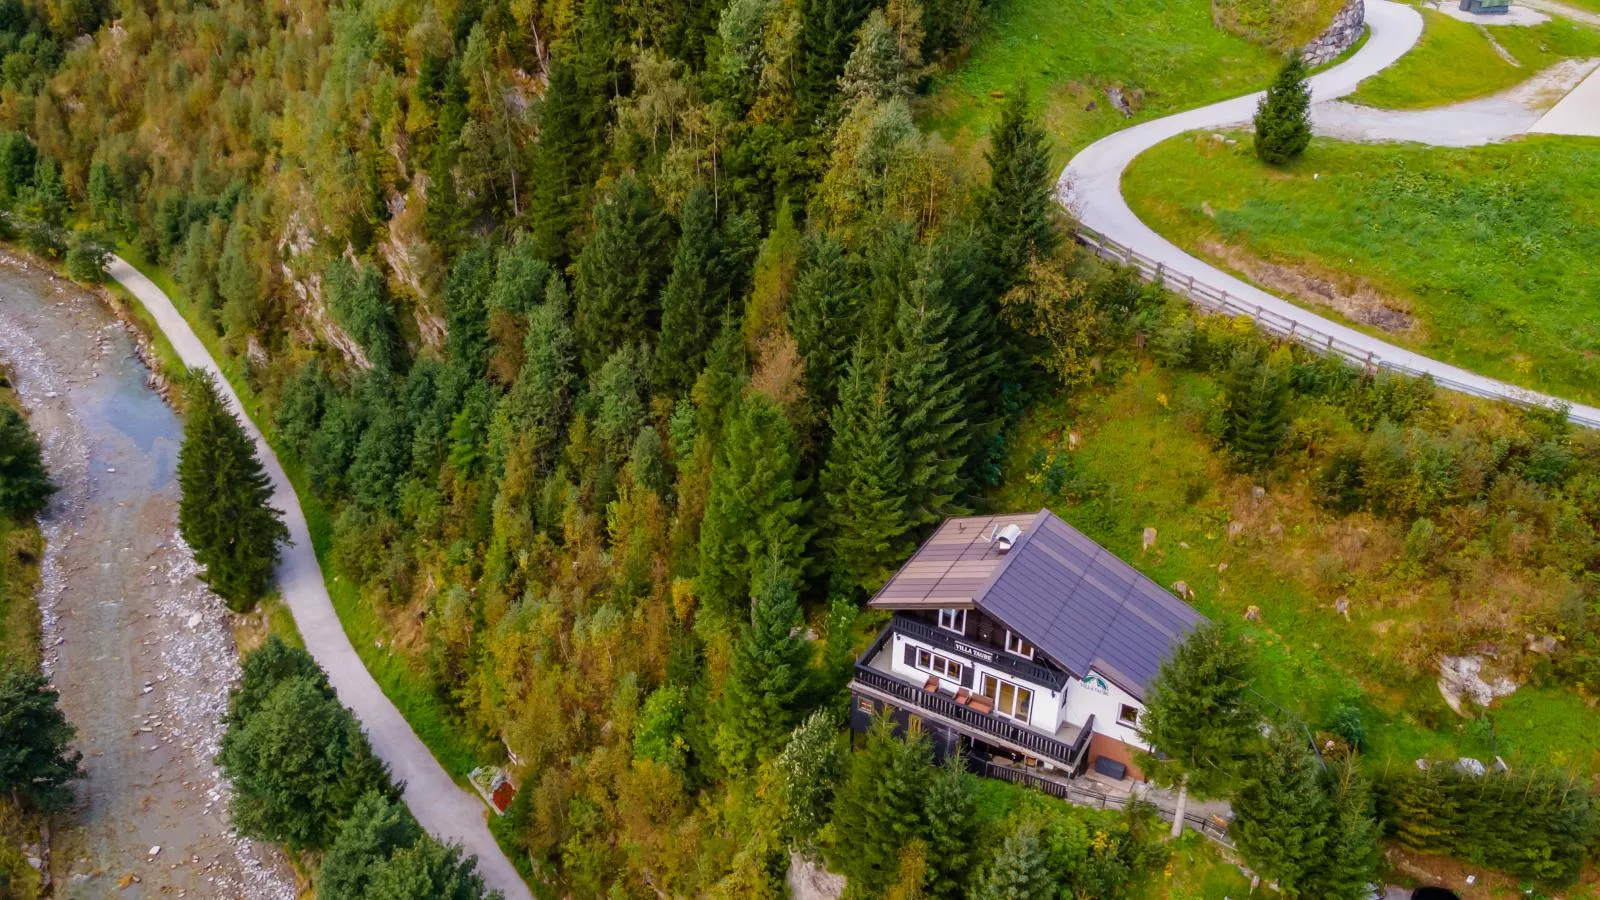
[{"x": 140, "y": 650}]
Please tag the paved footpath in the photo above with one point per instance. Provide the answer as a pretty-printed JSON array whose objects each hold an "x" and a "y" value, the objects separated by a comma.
[
  {"x": 447, "y": 811},
  {"x": 1091, "y": 187}
]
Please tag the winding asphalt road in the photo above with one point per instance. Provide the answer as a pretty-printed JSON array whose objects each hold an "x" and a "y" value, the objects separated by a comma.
[
  {"x": 1091, "y": 187},
  {"x": 444, "y": 809}
]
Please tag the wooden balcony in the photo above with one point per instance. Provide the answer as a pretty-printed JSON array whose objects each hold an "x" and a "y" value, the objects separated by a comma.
[
  {"x": 1054, "y": 679},
  {"x": 872, "y": 677}
]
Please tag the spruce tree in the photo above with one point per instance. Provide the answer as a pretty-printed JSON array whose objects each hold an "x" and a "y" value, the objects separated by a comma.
[
  {"x": 878, "y": 808},
  {"x": 563, "y": 161},
  {"x": 1350, "y": 861},
  {"x": 466, "y": 294},
  {"x": 616, "y": 277},
  {"x": 1199, "y": 716},
  {"x": 693, "y": 302},
  {"x": 822, "y": 316},
  {"x": 928, "y": 403},
  {"x": 756, "y": 505},
  {"x": 950, "y": 807},
  {"x": 428, "y": 870},
  {"x": 809, "y": 769},
  {"x": 36, "y": 761},
  {"x": 224, "y": 514},
  {"x": 1018, "y": 209},
  {"x": 1281, "y": 813},
  {"x": 24, "y": 484},
  {"x": 534, "y": 411},
  {"x": 1256, "y": 416},
  {"x": 863, "y": 483},
  {"x": 377, "y": 828},
  {"x": 1020, "y": 869},
  {"x": 827, "y": 36},
  {"x": 1283, "y": 120},
  {"x": 768, "y": 675}
]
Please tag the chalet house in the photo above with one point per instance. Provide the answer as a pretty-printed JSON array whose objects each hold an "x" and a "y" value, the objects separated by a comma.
[{"x": 1015, "y": 638}]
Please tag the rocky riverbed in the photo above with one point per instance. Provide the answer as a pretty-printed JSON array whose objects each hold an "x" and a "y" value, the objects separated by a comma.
[{"x": 140, "y": 650}]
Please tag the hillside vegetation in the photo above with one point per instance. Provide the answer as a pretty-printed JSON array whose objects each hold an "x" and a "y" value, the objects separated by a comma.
[
  {"x": 1478, "y": 256},
  {"x": 1457, "y": 61},
  {"x": 1281, "y": 25}
]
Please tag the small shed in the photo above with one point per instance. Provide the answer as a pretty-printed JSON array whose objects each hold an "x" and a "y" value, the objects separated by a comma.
[{"x": 1486, "y": 7}]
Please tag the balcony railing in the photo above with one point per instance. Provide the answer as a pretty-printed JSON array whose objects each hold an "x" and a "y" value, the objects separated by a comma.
[{"x": 1021, "y": 668}]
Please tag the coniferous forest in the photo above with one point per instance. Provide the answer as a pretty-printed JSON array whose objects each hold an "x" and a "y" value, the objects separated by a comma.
[{"x": 620, "y": 350}]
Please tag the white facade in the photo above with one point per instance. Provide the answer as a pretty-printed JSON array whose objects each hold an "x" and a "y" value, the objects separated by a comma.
[
  {"x": 1046, "y": 709},
  {"x": 1092, "y": 696}
]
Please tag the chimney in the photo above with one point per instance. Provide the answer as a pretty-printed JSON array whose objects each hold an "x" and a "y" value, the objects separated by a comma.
[{"x": 1004, "y": 536}]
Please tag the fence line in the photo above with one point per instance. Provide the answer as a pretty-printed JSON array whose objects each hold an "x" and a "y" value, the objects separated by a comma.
[{"x": 1214, "y": 300}]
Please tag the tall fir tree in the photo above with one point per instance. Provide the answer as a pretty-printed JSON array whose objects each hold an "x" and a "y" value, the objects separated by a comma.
[
  {"x": 822, "y": 317},
  {"x": 563, "y": 161},
  {"x": 863, "y": 483},
  {"x": 951, "y": 810},
  {"x": 466, "y": 295},
  {"x": 533, "y": 413},
  {"x": 975, "y": 351},
  {"x": 1283, "y": 120},
  {"x": 768, "y": 675},
  {"x": 694, "y": 299},
  {"x": 756, "y": 506},
  {"x": 878, "y": 808},
  {"x": 1256, "y": 414},
  {"x": 1018, "y": 208},
  {"x": 1200, "y": 716},
  {"x": 616, "y": 277},
  {"x": 827, "y": 36},
  {"x": 1350, "y": 861},
  {"x": 36, "y": 757},
  {"x": 225, "y": 513},
  {"x": 1281, "y": 813},
  {"x": 928, "y": 404},
  {"x": 377, "y": 828}
]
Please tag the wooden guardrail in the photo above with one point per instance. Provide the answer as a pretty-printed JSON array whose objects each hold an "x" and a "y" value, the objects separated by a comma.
[{"x": 1215, "y": 300}]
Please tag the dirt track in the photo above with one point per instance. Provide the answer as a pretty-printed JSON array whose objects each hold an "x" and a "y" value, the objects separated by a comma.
[{"x": 141, "y": 652}]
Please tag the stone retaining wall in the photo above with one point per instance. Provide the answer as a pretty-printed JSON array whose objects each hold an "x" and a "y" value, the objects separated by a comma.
[{"x": 1339, "y": 36}]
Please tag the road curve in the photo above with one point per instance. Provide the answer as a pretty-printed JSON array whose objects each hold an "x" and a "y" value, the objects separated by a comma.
[
  {"x": 1091, "y": 187},
  {"x": 444, "y": 809}
]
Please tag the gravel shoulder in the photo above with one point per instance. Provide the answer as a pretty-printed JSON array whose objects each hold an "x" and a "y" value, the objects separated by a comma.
[
  {"x": 140, "y": 650},
  {"x": 445, "y": 809}
]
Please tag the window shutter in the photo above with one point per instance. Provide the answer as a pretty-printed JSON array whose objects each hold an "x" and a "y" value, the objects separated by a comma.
[
  {"x": 966, "y": 675},
  {"x": 911, "y": 656}
]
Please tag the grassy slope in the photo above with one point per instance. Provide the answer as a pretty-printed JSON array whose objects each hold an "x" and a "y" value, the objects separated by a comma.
[
  {"x": 20, "y": 550},
  {"x": 1454, "y": 61},
  {"x": 1491, "y": 248},
  {"x": 1067, "y": 52},
  {"x": 1142, "y": 444},
  {"x": 401, "y": 680}
]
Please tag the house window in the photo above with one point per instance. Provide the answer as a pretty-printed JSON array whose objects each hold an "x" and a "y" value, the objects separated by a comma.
[
  {"x": 1128, "y": 715},
  {"x": 1015, "y": 644},
  {"x": 1010, "y": 700},
  {"x": 932, "y": 662},
  {"x": 953, "y": 620},
  {"x": 865, "y": 705}
]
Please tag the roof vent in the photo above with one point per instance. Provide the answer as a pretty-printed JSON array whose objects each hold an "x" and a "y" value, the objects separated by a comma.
[{"x": 1004, "y": 537}]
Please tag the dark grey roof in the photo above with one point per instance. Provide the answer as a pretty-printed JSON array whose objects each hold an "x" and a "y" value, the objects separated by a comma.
[{"x": 1083, "y": 607}]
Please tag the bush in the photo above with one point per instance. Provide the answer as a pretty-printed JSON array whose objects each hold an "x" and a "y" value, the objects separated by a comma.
[
  {"x": 24, "y": 484},
  {"x": 87, "y": 258}
]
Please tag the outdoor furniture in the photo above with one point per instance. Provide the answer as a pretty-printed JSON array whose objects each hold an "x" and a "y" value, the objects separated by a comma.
[
  {"x": 962, "y": 696},
  {"x": 932, "y": 686},
  {"x": 1110, "y": 768},
  {"x": 981, "y": 703}
]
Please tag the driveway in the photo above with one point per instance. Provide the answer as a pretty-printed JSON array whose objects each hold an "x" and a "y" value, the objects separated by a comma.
[
  {"x": 1091, "y": 187},
  {"x": 447, "y": 811}
]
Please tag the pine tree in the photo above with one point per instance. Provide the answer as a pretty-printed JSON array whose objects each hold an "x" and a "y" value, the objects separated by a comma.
[
  {"x": 24, "y": 485},
  {"x": 950, "y": 807},
  {"x": 809, "y": 769},
  {"x": 878, "y": 808},
  {"x": 693, "y": 302},
  {"x": 107, "y": 200},
  {"x": 616, "y": 277},
  {"x": 1256, "y": 415},
  {"x": 822, "y": 316},
  {"x": 768, "y": 675},
  {"x": 1199, "y": 716},
  {"x": 1020, "y": 869},
  {"x": 863, "y": 483},
  {"x": 1018, "y": 209},
  {"x": 428, "y": 870},
  {"x": 928, "y": 404},
  {"x": 1350, "y": 861},
  {"x": 1283, "y": 120},
  {"x": 224, "y": 514},
  {"x": 563, "y": 162},
  {"x": 957, "y": 279},
  {"x": 534, "y": 411},
  {"x": 756, "y": 505},
  {"x": 1281, "y": 813},
  {"x": 36, "y": 760},
  {"x": 466, "y": 293},
  {"x": 266, "y": 667},
  {"x": 827, "y": 35}
]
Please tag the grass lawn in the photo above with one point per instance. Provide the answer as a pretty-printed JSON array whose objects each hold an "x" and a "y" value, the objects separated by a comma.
[
  {"x": 1489, "y": 250},
  {"x": 1165, "y": 55},
  {"x": 1144, "y": 461},
  {"x": 401, "y": 680},
  {"x": 1455, "y": 61},
  {"x": 1195, "y": 871}
]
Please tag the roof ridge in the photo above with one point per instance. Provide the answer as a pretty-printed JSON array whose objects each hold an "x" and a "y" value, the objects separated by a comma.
[{"x": 1016, "y": 550}]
